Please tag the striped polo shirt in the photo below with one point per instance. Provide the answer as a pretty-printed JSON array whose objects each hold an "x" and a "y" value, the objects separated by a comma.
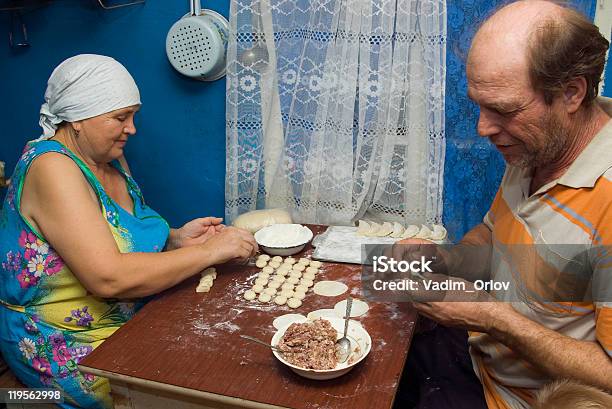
[{"x": 552, "y": 245}]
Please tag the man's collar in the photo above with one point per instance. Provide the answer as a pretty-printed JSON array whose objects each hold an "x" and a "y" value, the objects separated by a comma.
[{"x": 595, "y": 159}]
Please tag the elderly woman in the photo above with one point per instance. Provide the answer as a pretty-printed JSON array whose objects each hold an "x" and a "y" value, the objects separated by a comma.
[{"x": 78, "y": 244}]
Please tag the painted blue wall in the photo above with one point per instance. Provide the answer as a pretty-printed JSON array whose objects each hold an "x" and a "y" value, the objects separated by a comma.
[{"x": 178, "y": 153}]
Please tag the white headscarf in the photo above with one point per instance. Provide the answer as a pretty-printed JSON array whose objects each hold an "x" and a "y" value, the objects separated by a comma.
[{"x": 85, "y": 86}]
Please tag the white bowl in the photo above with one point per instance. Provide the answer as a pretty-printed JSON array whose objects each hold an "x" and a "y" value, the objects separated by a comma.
[
  {"x": 301, "y": 233},
  {"x": 356, "y": 333}
]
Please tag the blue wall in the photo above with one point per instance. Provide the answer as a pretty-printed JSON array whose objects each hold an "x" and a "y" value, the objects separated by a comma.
[{"x": 178, "y": 153}]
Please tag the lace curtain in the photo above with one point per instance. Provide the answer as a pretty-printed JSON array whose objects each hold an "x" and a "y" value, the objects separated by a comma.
[{"x": 335, "y": 109}]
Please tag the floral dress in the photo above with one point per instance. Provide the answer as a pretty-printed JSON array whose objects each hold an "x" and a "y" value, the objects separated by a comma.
[{"x": 48, "y": 320}]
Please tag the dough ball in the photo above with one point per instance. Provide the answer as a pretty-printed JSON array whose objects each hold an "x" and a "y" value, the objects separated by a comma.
[
  {"x": 269, "y": 291},
  {"x": 299, "y": 268},
  {"x": 308, "y": 276},
  {"x": 307, "y": 283},
  {"x": 305, "y": 261},
  {"x": 293, "y": 280},
  {"x": 299, "y": 295},
  {"x": 282, "y": 273},
  {"x": 278, "y": 278},
  {"x": 295, "y": 274},
  {"x": 287, "y": 293},
  {"x": 274, "y": 264},
  {"x": 263, "y": 276},
  {"x": 278, "y": 259},
  {"x": 261, "y": 263},
  {"x": 290, "y": 260},
  {"x": 280, "y": 299},
  {"x": 263, "y": 297},
  {"x": 312, "y": 270},
  {"x": 268, "y": 270},
  {"x": 294, "y": 303},
  {"x": 315, "y": 264},
  {"x": 258, "y": 219},
  {"x": 301, "y": 288},
  {"x": 263, "y": 257},
  {"x": 249, "y": 295},
  {"x": 287, "y": 286},
  {"x": 274, "y": 284},
  {"x": 261, "y": 281},
  {"x": 257, "y": 288}
]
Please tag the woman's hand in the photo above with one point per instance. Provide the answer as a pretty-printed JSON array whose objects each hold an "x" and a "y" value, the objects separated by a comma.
[
  {"x": 231, "y": 243},
  {"x": 197, "y": 231}
]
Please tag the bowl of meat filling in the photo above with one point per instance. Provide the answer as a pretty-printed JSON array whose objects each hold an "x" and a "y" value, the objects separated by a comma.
[{"x": 309, "y": 348}]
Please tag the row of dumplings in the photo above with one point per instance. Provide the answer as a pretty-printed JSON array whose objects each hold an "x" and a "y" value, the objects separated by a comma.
[{"x": 397, "y": 230}]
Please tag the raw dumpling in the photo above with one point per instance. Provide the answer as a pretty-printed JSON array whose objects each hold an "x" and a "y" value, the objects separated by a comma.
[
  {"x": 364, "y": 228},
  {"x": 410, "y": 231},
  {"x": 424, "y": 233},
  {"x": 385, "y": 229},
  {"x": 374, "y": 228},
  {"x": 398, "y": 230},
  {"x": 439, "y": 232}
]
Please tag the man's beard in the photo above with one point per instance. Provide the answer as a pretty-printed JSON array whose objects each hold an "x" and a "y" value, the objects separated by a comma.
[{"x": 553, "y": 142}]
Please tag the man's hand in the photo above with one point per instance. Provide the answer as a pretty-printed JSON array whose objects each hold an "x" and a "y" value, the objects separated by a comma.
[{"x": 197, "y": 231}]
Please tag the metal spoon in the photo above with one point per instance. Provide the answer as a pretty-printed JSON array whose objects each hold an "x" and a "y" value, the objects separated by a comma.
[
  {"x": 343, "y": 345},
  {"x": 261, "y": 342}
]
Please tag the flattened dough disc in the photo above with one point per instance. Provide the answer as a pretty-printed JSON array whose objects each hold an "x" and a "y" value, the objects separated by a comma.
[
  {"x": 359, "y": 308},
  {"x": 330, "y": 288},
  {"x": 287, "y": 319}
]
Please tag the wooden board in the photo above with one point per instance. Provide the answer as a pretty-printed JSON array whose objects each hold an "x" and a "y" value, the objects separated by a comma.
[{"x": 191, "y": 340}]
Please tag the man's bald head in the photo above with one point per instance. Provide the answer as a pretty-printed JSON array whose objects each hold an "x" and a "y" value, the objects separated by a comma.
[{"x": 543, "y": 42}]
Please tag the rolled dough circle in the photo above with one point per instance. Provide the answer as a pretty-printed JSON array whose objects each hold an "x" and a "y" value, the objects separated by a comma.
[
  {"x": 357, "y": 309},
  {"x": 284, "y": 320},
  {"x": 330, "y": 288},
  {"x": 325, "y": 312},
  {"x": 315, "y": 263},
  {"x": 258, "y": 288}
]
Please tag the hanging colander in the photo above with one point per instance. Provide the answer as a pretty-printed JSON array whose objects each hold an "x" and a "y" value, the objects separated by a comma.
[{"x": 196, "y": 44}]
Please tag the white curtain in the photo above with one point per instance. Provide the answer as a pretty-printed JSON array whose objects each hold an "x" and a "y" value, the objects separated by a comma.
[{"x": 335, "y": 109}]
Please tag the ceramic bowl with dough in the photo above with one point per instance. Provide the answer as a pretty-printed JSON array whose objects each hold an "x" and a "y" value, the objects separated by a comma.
[
  {"x": 361, "y": 343},
  {"x": 283, "y": 239}
]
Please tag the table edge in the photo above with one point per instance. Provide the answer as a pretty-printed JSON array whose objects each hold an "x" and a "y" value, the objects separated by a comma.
[{"x": 194, "y": 393}]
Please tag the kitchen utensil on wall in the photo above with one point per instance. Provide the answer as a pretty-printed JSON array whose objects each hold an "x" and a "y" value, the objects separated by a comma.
[
  {"x": 196, "y": 45},
  {"x": 18, "y": 33}
]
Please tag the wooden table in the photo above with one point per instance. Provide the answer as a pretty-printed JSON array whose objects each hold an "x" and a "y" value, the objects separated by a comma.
[{"x": 183, "y": 350}]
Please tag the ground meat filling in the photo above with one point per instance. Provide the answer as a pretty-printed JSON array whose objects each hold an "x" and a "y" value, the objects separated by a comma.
[{"x": 310, "y": 345}]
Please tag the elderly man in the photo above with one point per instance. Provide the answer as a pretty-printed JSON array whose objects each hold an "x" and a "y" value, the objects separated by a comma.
[{"x": 533, "y": 69}]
